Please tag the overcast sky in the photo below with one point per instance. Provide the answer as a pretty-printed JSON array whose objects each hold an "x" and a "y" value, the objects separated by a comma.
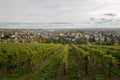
[{"x": 80, "y": 13}]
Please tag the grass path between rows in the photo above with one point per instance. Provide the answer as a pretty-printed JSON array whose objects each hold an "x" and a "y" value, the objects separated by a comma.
[
  {"x": 73, "y": 73},
  {"x": 62, "y": 73}
]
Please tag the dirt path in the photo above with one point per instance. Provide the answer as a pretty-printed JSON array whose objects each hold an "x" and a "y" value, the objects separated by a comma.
[{"x": 38, "y": 67}]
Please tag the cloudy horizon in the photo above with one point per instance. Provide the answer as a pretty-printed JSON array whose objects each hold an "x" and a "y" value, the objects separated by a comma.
[{"x": 78, "y": 13}]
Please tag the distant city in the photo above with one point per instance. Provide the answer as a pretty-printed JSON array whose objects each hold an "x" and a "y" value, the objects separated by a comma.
[{"x": 67, "y": 36}]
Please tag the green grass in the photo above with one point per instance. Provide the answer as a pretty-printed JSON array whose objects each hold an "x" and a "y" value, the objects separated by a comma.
[
  {"x": 16, "y": 75},
  {"x": 72, "y": 68},
  {"x": 116, "y": 72}
]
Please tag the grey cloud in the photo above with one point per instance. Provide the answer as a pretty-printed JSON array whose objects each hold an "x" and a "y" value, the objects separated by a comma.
[
  {"x": 92, "y": 18},
  {"x": 103, "y": 21},
  {"x": 106, "y": 20},
  {"x": 110, "y": 14}
]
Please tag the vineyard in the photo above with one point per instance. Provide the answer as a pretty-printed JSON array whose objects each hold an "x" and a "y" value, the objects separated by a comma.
[{"x": 59, "y": 62}]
